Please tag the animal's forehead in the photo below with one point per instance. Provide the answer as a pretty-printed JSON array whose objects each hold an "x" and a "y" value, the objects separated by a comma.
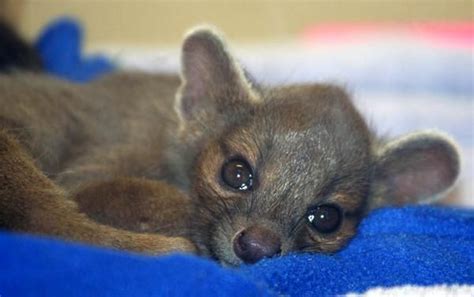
[
  {"x": 287, "y": 150},
  {"x": 297, "y": 123},
  {"x": 298, "y": 139},
  {"x": 302, "y": 127},
  {"x": 296, "y": 129}
]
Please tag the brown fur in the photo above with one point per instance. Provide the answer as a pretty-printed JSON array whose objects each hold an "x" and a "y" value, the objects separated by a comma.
[
  {"x": 134, "y": 204},
  {"x": 30, "y": 202},
  {"x": 133, "y": 157}
]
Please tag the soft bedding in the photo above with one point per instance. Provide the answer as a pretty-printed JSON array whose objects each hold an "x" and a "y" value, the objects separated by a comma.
[{"x": 423, "y": 246}]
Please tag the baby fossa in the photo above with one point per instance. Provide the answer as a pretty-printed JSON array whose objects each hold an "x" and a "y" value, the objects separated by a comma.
[{"x": 229, "y": 169}]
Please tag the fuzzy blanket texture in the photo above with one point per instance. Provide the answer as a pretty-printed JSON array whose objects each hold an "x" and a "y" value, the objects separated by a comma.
[{"x": 412, "y": 247}]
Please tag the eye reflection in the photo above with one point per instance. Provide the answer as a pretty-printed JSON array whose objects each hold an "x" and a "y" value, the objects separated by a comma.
[
  {"x": 325, "y": 218},
  {"x": 237, "y": 174}
]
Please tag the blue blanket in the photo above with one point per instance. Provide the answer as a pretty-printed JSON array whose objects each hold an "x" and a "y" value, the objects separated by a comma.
[{"x": 413, "y": 245}]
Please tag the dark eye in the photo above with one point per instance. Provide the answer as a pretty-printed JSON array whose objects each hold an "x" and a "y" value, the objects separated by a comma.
[
  {"x": 237, "y": 174},
  {"x": 325, "y": 218}
]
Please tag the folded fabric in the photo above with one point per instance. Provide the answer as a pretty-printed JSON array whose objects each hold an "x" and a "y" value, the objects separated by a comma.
[{"x": 412, "y": 245}]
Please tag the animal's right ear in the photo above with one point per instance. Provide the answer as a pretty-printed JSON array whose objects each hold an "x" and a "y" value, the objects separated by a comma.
[
  {"x": 211, "y": 78},
  {"x": 416, "y": 168}
]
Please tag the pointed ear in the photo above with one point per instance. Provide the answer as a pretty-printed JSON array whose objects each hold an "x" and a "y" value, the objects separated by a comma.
[
  {"x": 417, "y": 168},
  {"x": 211, "y": 78}
]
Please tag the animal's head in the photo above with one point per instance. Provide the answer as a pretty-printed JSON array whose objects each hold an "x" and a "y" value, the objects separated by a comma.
[{"x": 291, "y": 168}]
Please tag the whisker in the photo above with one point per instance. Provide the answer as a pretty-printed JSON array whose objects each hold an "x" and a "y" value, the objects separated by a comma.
[{"x": 296, "y": 225}]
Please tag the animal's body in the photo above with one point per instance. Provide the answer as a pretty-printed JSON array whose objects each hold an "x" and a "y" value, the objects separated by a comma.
[{"x": 209, "y": 161}]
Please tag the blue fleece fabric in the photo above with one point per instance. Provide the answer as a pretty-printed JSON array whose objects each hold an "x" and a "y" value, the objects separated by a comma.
[{"x": 413, "y": 245}]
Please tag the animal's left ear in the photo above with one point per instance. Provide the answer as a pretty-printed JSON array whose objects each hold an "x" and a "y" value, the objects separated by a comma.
[{"x": 419, "y": 167}]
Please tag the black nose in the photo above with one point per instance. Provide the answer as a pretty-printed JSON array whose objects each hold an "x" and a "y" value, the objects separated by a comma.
[{"x": 255, "y": 243}]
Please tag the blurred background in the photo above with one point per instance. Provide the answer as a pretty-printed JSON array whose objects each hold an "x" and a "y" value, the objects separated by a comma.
[
  {"x": 408, "y": 64},
  {"x": 156, "y": 22}
]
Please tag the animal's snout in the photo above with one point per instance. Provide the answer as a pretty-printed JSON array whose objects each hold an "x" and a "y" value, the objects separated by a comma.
[{"x": 254, "y": 243}]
